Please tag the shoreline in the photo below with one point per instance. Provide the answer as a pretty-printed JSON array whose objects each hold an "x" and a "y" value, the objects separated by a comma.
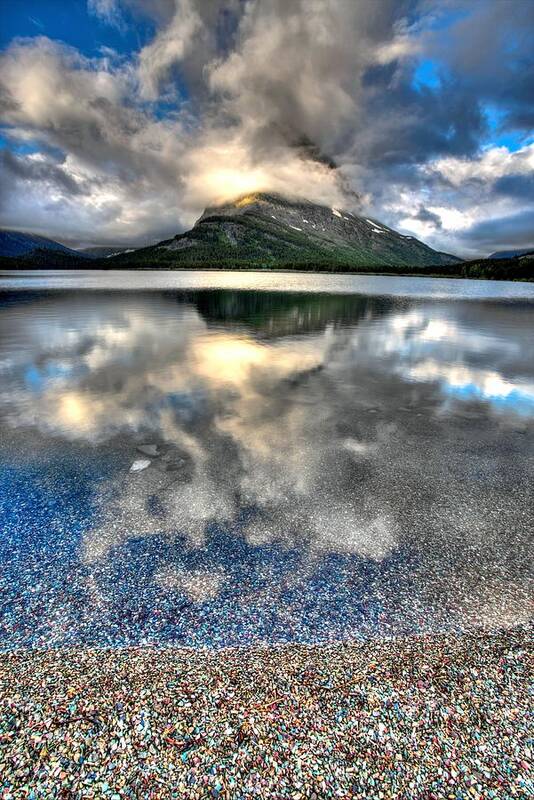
[
  {"x": 313, "y": 283},
  {"x": 442, "y": 716},
  {"x": 397, "y": 641},
  {"x": 275, "y": 270}
]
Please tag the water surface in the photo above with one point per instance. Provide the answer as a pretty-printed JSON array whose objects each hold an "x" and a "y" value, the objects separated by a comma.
[{"x": 338, "y": 457}]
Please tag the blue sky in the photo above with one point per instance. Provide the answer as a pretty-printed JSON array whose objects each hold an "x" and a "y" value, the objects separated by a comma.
[
  {"x": 121, "y": 119},
  {"x": 73, "y": 23}
]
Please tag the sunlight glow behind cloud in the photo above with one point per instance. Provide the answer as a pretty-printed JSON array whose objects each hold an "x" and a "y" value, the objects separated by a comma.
[{"x": 302, "y": 99}]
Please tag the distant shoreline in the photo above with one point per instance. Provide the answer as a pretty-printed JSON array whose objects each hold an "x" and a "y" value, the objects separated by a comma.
[{"x": 496, "y": 275}]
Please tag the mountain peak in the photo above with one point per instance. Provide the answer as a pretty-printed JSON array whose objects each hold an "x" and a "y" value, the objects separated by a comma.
[
  {"x": 270, "y": 229},
  {"x": 253, "y": 200},
  {"x": 249, "y": 199},
  {"x": 266, "y": 229}
]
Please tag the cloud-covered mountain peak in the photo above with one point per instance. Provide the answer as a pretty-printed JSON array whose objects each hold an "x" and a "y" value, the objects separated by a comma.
[{"x": 272, "y": 230}]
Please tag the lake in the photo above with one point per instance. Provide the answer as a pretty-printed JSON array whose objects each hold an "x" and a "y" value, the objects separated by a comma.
[{"x": 214, "y": 458}]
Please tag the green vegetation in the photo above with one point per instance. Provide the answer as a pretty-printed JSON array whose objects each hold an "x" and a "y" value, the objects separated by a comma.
[
  {"x": 509, "y": 269},
  {"x": 253, "y": 241},
  {"x": 42, "y": 258}
]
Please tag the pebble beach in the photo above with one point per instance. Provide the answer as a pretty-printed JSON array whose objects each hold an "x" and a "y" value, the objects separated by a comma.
[{"x": 423, "y": 717}]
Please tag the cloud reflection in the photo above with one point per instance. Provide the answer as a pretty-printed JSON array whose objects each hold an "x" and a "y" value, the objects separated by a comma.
[{"x": 319, "y": 431}]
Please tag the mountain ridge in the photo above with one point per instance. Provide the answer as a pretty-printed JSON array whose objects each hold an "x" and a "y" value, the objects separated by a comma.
[
  {"x": 270, "y": 230},
  {"x": 524, "y": 251},
  {"x": 104, "y": 251},
  {"x": 20, "y": 244}
]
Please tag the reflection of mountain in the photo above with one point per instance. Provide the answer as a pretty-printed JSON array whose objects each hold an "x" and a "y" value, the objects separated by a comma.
[
  {"x": 278, "y": 314},
  {"x": 269, "y": 314}
]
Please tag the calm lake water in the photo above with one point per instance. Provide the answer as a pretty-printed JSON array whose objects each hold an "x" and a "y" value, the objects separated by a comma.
[{"x": 223, "y": 458}]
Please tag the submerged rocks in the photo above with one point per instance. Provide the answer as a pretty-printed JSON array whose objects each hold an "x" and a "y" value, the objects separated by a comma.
[
  {"x": 172, "y": 461},
  {"x": 148, "y": 449},
  {"x": 140, "y": 464},
  {"x": 165, "y": 458}
]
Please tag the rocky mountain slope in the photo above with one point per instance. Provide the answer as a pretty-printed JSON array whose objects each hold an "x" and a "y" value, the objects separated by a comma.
[{"x": 267, "y": 230}]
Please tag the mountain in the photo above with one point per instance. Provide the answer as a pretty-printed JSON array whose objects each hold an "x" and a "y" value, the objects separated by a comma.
[
  {"x": 268, "y": 230},
  {"x": 103, "y": 251},
  {"x": 512, "y": 253},
  {"x": 15, "y": 244}
]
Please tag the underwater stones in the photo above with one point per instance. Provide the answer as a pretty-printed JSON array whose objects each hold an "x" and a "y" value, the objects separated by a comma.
[
  {"x": 140, "y": 464},
  {"x": 172, "y": 461},
  {"x": 165, "y": 458},
  {"x": 148, "y": 449}
]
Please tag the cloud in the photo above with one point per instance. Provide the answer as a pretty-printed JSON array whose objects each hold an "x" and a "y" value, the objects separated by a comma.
[
  {"x": 488, "y": 167},
  {"x": 216, "y": 398},
  {"x": 480, "y": 383},
  {"x": 306, "y": 446},
  {"x": 35, "y": 169},
  {"x": 470, "y": 205},
  {"x": 518, "y": 186},
  {"x": 514, "y": 230},
  {"x": 495, "y": 189},
  {"x": 306, "y": 98},
  {"x": 490, "y": 46},
  {"x": 198, "y": 585},
  {"x": 241, "y": 128},
  {"x": 426, "y": 215},
  {"x": 107, "y": 10},
  {"x": 82, "y": 107},
  {"x": 169, "y": 48}
]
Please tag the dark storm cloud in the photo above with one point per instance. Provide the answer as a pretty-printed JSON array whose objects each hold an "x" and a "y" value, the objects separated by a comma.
[
  {"x": 482, "y": 60},
  {"x": 13, "y": 167},
  {"x": 411, "y": 126},
  {"x": 428, "y": 216},
  {"x": 520, "y": 186},
  {"x": 516, "y": 230},
  {"x": 491, "y": 46}
]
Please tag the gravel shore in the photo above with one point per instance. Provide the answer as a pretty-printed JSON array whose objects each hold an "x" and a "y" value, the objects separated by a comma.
[{"x": 423, "y": 717}]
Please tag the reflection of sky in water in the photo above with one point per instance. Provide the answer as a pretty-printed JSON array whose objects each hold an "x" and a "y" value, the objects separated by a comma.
[{"x": 328, "y": 466}]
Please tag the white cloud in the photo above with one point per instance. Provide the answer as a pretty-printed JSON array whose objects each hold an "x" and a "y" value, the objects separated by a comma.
[
  {"x": 285, "y": 457},
  {"x": 198, "y": 585},
  {"x": 461, "y": 194},
  {"x": 434, "y": 349},
  {"x": 345, "y": 530},
  {"x": 481, "y": 383},
  {"x": 107, "y": 10},
  {"x": 491, "y": 164}
]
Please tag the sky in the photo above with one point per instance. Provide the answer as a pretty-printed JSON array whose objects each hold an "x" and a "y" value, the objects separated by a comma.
[{"x": 120, "y": 120}]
